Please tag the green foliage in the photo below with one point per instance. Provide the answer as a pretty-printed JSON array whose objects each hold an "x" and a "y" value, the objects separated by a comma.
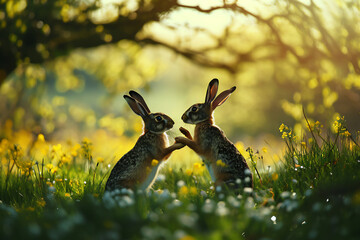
[{"x": 314, "y": 194}]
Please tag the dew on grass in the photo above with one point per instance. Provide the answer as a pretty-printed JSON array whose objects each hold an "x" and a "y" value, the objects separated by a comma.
[
  {"x": 249, "y": 203},
  {"x": 125, "y": 201},
  {"x": 289, "y": 205},
  {"x": 180, "y": 234},
  {"x": 180, "y": 183},
  {"x": 188, "y": 220},
  {"x": 85, "y": 182},
  {"x": 233, "y": 201},
  {"x": 294, "y": 181},
  {"x": 285, "y": 194},
  {"x": 208, "y": 206},
  {"x": 248, "y": 190},
  {"x": 221, "y": 209},
  {"x": 304, "y": 222},
  {"x": 247, "y": 172},
  {"x": 218, "y": 189},
  {"x": 175, "y": 203},
  {"x": 203, "y": 193},
  {"x": 273, "y": 219}
]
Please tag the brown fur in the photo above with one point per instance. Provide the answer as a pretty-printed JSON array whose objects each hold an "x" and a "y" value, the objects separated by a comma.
[
  {"x": 135, "y": 167},
  {"x": 211, "y": 144}
]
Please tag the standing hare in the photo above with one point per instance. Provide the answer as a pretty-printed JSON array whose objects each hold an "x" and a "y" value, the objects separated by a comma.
[
  {"x": 137, "y": 168},
  {"x": 225, "y": 163}
]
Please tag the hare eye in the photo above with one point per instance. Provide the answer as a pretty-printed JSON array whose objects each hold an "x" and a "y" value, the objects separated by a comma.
[
  {"x": 194, "y": 109},
  {"x": 158, "y": 118}
]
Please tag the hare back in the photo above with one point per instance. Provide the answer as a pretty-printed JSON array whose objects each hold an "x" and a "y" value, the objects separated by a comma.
[
  {"x": 133, "y": 167},
  {"x": 233, "y": 165},
  {"x": 127, "y": 171},
  {"x": 216, "y": 146}
]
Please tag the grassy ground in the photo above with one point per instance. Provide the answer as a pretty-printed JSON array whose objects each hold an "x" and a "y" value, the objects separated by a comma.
[{"x": 313, "y": 194}]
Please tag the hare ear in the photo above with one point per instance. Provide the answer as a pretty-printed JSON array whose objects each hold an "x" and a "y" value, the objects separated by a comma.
[
  {"x": 212, "y": 90},
  {"x": 222, "y": 97},
  {"x": 140, "y": 99},
  {"x": 137, "y": 107}
]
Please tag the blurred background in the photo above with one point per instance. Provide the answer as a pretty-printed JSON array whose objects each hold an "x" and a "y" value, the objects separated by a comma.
[{"x": 65, "y": 65}]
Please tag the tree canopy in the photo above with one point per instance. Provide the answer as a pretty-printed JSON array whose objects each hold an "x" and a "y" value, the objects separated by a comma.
[{"x": 309, "y": 50}]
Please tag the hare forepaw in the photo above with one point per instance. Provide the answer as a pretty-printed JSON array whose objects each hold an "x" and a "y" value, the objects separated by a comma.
[{"x": 185, "y": 132}]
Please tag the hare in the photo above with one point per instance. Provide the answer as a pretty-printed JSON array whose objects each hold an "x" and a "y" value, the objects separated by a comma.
[
  {"x": 225, "y": 163},
  {"x": 137, "y": 168}
]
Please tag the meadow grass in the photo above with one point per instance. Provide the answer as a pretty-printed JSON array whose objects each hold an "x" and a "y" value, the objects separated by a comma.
[{"x": 314, "y": 193}]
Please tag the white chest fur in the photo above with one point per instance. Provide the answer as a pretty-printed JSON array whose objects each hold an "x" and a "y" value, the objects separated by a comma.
[
  {"x": 209, "y": 168},
  {"x": 150, "y": 178},
  {"x": 154, "y": 171}
]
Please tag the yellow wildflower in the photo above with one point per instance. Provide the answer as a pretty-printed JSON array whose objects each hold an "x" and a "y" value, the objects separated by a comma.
[
  {"x": 347, "y": 133},
  {"x": 183, "y": 191},
  {"x": 41, "y": 138},
  {"x": 41, "y": 202},
  {"x": 67, "y": 194},
  {"x": 275, "y": 176},
  {"x": 54, "y": 169},
  {"x": 282, "y": 127},
  {"x": 193, "y": 190},
  {"x": 86, "y": 141},
  {"x": 264, "y": 149},
  {"x": 74, "y": 150},
  {"x": 65, "y": 159},
  {"x": 49, "y": 166},
  {"x": 198, "y": 168},
  {"x": 154, "y": 162},
  {"x": 187, "y": 237},
  {"x": 100, "y": 159},
  {"x": 188, "y": 172},
  {"x": 56, "y": 148},
  {"x": 220, "y": 163}
]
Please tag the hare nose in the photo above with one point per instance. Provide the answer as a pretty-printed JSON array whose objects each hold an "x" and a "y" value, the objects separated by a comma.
[{"x": 184, "y": 117}]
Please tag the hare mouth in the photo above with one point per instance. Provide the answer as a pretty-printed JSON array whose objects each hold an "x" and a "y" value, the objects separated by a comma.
[{"x": 185, "y": 118}]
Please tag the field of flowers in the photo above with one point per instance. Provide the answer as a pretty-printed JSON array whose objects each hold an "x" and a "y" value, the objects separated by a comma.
[{"x": 56, "y": 191}]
